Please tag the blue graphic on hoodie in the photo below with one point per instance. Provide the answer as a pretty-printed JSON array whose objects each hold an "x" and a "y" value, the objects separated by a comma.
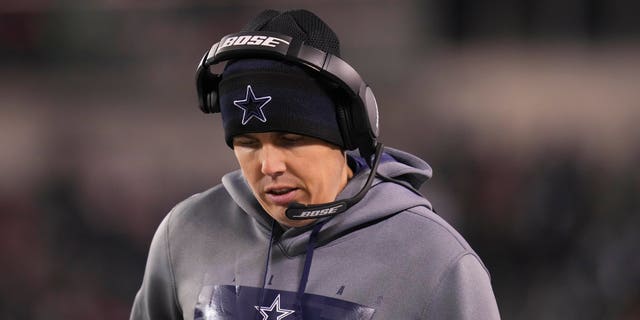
[{"x": 225, "y": 302}]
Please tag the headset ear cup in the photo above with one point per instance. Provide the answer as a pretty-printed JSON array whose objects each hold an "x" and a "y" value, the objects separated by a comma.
[
  {"x": 361, "y": 133},
  {"x": 366, "y": 122},
  {"x": 212, "y": 102},
  {"x": 371, "y": 109},
  {"x": 345, "y": 125},
  {"x": 207, "y": 85}
]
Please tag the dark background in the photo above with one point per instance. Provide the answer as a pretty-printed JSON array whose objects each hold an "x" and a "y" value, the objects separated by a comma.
[{"x": 527, "y": 111}]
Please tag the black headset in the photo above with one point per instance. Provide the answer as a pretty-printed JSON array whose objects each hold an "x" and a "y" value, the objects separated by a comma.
[{"x": 357, "y": 118}]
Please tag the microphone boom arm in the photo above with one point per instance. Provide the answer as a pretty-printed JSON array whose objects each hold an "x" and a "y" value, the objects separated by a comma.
[{"x": 298, "y": 211}]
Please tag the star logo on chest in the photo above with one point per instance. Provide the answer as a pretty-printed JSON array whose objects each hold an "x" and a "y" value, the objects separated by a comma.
[
  {"x": 252, "y": 106},
  {"x": 274, "y": 309}
]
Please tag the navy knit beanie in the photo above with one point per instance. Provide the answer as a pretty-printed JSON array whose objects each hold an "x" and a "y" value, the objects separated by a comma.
[{"x": 263, "y": 95}]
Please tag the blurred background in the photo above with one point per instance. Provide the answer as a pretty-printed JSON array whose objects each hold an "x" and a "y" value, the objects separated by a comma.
[{"x": 526, "y": 110}]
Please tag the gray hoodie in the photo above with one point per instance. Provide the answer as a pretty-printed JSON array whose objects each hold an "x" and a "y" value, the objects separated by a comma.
[{"x": 219, "y": 255}]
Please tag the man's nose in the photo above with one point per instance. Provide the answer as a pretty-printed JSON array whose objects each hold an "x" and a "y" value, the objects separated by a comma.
[{"x": 273, "y": 161}]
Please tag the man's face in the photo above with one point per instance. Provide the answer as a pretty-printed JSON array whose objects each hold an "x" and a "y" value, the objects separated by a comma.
[{"x": 282, "y": 168}]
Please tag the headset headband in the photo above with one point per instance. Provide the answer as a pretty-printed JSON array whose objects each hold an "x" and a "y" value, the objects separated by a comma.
[
  {"x": 270, "y": 44},
  {"x": 261, "y": 44}
]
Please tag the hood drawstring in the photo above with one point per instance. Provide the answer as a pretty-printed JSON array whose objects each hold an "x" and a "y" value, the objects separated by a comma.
[
  {"x": 311, "y": 245},
  {"x": 266, "y": 267}
]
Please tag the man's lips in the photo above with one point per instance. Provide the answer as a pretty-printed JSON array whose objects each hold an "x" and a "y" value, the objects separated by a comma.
[{"x": 281, "y": 196}]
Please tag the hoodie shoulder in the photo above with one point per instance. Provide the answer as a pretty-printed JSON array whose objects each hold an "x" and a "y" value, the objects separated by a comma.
[
  {"x": 464, "y": 288},
  {"x": 463, "y": 283},
  {"x": 158, "y": 296},
  {"x": 197, "y": 205},
  {"x": 424, "y": 217},
  {"x": 421, "y": 222}
]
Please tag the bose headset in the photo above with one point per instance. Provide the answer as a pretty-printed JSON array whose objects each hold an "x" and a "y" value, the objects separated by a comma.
[{"x": 357, "y": 118}]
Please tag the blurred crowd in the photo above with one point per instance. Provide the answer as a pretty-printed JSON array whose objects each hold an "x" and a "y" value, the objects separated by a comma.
[{"x": 100, "y": 137}]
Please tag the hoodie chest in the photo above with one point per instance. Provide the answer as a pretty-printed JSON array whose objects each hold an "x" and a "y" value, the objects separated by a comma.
[{"x": 345, "y": 282}]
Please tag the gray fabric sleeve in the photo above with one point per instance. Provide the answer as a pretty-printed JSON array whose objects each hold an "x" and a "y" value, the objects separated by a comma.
[
  {"x": 464, "y": 292},
  {"x": 156, "y": 298}
]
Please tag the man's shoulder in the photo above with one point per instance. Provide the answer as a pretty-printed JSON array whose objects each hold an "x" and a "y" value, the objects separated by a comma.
[
  {"x": 423, "y": 227},
  {"x": 199, "y": 206}
]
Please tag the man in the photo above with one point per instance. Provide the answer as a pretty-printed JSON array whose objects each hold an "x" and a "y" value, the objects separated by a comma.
[{"x": 306, "y": 229}]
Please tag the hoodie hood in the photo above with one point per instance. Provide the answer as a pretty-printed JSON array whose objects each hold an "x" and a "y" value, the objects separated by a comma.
[{"x": 383, "y": 200}]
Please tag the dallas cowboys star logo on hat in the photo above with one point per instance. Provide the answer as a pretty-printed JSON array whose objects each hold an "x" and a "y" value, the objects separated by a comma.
[
  {"x": 252, "y": 106},
  {"x": 275, "y": 305}
]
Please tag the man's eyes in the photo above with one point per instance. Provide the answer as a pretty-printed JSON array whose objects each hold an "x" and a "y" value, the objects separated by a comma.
[
  {"x": 285, "y": 140},
  {"x": 292, "y": 139},
  {"x": 245, "y": 142}
]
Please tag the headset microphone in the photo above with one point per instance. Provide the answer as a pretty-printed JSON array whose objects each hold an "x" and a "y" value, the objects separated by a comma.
[{"x": 297, "y": 211}]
